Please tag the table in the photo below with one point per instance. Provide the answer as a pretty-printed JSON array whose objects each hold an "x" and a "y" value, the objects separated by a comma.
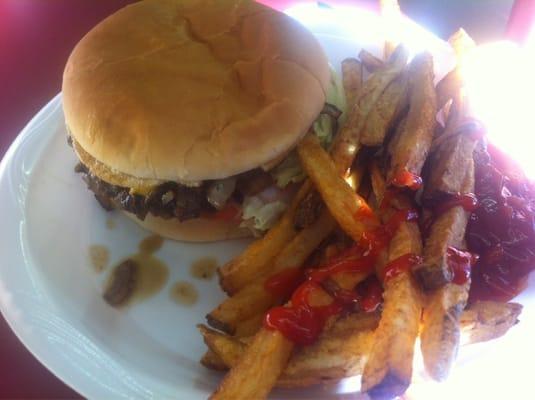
[{"x": 36, "y": 37}]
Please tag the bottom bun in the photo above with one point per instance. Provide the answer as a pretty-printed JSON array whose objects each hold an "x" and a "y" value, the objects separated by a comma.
[{"x": 193, "y": 230}]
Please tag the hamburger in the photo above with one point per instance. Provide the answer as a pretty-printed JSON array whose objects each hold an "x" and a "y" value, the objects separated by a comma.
[{"x": 184, "y": 114}]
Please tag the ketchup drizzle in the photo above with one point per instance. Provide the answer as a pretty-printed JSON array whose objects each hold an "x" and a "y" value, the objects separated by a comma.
[
  {"x": 406, "y": 179},
  {"x": 460, "y": 263},
  {"x": 302, "y": 322},
  {"x": 468, "y": 201}
]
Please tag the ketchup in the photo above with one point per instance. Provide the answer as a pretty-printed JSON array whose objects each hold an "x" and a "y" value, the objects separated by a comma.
[
  {"x": 502, "y": 229},
  {"x": 460, "y": 263},
  {"x": 300, "y": 321},
  {"x": 283, "y": 283},
  {"x": 468, "y": 201},
  {"x": 407, "y": 179}
]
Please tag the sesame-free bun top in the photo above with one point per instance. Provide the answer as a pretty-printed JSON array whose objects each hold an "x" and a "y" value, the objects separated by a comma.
[{"x": 193, "y": 90}]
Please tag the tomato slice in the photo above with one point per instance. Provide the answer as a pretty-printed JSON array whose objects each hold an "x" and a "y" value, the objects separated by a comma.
[{"x": 230, "y": 212}]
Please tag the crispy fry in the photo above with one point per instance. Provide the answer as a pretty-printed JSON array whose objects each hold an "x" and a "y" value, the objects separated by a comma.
[
  {"x": 462, "y": 43},
  {"x": 391, "y": 12},
  {"x": 351, "y": 79},
  {"x": 440, "y": 332},
  {"x": 212, "y": 361},
  {"x": 245, "y": 304},
  {"x": 378, "y": 182},
  {"x": 257, "y": 258},
  {"x": 347, "y": 143},
  {"x": 447, "y": 87},
  {"x": 258, "y": 369},
  {"x": 410, "y": 147},
  {"x": 342, "y": 349},
  {"x": 343, "y": 203},
  {"x": 250, "y": 326},
  {"x": 253, "y": 298},
  {"x": 227, "y": 349},
  {"x": 339, "y": 352},
  {"x": 440, "y": 335},
  {"x": 486, "y": 320},
  {"x": 388, "y": 371},
  {"x": 392, "y": 102},
  {"x": 370, "y": 62},
  {"x": 447, "y": 230},
  {"x": 448, "y": 166}
]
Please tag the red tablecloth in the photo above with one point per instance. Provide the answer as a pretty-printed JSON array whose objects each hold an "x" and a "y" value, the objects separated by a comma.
[{"x": 36, "y": 37}]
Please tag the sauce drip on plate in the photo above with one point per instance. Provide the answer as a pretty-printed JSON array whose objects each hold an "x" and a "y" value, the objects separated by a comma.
[
  {"x": 137, "y": 277},
  {"x": 204, "y": 268},
  {"x": 184, "y": 293}
]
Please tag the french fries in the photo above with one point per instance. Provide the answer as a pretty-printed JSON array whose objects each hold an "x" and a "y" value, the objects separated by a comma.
[
  {"x": 392, "y": 119},
  {"x": 342, "y": 350},
  {"x": 388, "y": 108},
  {"x": 487, "y": 320},
  {"x": 391, "y": 13},
  {"x": 410, "y": 147},
  {"x": 212, "y": 361},
  {"x": 349, "y": 209},
  {"x": 254, "y": 298},
  {"x": 388, "y": 371},
  {"x": 370, "y": 62},
  {"x": 351, "y": 79},
  {"x": 347, "y": 143},
  {"x": 256, "y": 259},
  {"x": 258, "y": 369},
  {"x": 440, "y": 336}
]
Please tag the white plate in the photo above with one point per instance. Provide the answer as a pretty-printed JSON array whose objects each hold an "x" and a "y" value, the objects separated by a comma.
[{"x": 51, "y": 297}]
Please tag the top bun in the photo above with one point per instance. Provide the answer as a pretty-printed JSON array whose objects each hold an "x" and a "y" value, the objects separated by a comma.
[{"x": 193, "y": 90}]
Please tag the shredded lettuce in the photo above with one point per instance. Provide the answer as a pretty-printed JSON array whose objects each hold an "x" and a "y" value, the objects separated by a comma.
[
  {"x": 260, "y": 215},
  {"x": 289, "y": 170}
]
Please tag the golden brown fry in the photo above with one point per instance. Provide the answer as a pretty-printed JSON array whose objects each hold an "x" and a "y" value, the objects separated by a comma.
[
  {"x": 451, "y": 84},
  {"x": 388, "y": 371},
  {"x": 447, "y": 87},
  {"x": 440, "y": 329},
  {"x": 409, "y": 149},
  {"x": 342, "y": 349},
  {"x": 253, "y": 299},
  {"x": 386, "y": 111},
  {"x": 370, "y": 62},
  {"x": 339, "y": 352},
  {"x": 245, "y": 304},
  {"x": 462, "y": 43},
  {"x": 257, "y": 258},
  {"x": 250, "y": 326},
  {"x": 343, "y": 203},
  {"x": 440, "y": 334},
  {"x": 347, "y": 143},
  {"x": 486, "y": 320},
  {"x": 227, "y": 349},
  {"x": 378, "y": 182},
  {"x": 258, "y": 369},
  {"x": 351, "y": 79},
  {"x": 212, "y": 361},
  {"x": 391, "y": 12}
]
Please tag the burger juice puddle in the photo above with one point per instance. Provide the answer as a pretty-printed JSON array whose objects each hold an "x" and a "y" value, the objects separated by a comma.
[
  {"x": 204, "y": 268},
  {"x": 99, "y": 256},
  {"x": 137, "y": 277},
  {"x": 184, "y": 293}
]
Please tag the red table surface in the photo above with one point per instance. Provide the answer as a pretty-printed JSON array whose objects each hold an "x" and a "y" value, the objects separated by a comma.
[{"x": 36, "y": 37}]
